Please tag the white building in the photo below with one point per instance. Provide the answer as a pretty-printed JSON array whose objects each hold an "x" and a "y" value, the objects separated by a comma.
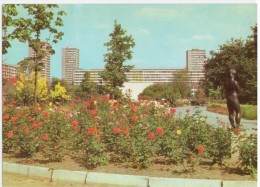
[
  {"x": 46, "y": 69},
  {"x": 70, "y": 63}
]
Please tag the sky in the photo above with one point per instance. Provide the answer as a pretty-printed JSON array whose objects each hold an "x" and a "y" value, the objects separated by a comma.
[{"x": 162, "y": 32}]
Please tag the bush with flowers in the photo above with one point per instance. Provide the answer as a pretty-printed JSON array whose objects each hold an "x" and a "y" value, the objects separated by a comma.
[{"x": 100, "y": 131}]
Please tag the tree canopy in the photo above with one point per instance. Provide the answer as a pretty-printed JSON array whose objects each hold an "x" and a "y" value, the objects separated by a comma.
[
  {"x": 241, "y": 56},
  {"x": 119, "y": 51}
]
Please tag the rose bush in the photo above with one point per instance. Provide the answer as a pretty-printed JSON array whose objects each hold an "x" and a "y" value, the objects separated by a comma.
[{"x": 98, "y": 131}]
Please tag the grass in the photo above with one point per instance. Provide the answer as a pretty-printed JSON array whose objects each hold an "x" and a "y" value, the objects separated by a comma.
[{"x": 247, "y": 111}]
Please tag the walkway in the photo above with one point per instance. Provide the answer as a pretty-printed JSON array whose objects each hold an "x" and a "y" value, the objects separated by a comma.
[{"x": 212, "y": 118}]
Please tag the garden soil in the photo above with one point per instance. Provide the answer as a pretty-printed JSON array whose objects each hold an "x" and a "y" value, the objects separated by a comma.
[{"x": 227, "y": 171}]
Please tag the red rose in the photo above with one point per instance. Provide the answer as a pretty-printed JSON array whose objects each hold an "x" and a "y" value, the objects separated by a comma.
[
  {"x": 133, "y": 107},
  {"x": 187, "y": 110},
  {"x": 116, "y": 130},
  {"x": 124, "y": 130},
  {"x": 10, "y": 135},
  {"x": 173, "y": 110},
  {"x": 75, "y": 123},
  {"x": 6, "y": 116},
  {"x": 92, "y": 112},
  {"x": 13, "y": 119},
  {"x": 44, "y": 136},
  {"x": 201, "y": 149},
  {"x": 236, "y": 130},
  {"x": 159, "y": 131},
  {"x": 87, "y": 104},
  {"x": 150, "y": 135},
  {"x": 26, "y": 131},
  {"x": 133, "y": 118},
  {"x": 91, "y": 130}
]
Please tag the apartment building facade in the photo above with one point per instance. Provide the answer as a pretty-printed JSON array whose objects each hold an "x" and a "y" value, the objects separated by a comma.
[
  {"x": 195, "y": 61},
  {"x": 46, "y": 68},
  {"x": 9, "y": 71},
  {"x": 70, "y": 63}
]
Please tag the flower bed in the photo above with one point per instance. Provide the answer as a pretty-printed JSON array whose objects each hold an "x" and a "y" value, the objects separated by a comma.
[{"x": 101, "y": 131}]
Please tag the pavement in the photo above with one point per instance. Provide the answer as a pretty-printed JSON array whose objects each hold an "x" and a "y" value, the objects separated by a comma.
[
  {"x": 96, "y": 179},
  {"x": 212, "y": 118}
]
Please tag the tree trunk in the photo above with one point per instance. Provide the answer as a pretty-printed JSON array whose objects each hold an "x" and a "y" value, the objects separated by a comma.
[{"x": 35, "y": 82}]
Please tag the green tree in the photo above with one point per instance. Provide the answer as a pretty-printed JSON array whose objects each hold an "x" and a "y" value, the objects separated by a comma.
[
  {"x": 161, "y": 91},
  {"x": 119, "y": 51},
  {"x": 241, "y": 56},
  {"x": 13, "y": 27},
  {"x": 88, "y": 86},
  {"x": 181, "y": 81},
  {"x": 42, "y": 18}
]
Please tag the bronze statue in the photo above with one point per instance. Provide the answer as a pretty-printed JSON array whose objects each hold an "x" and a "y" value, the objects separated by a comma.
[{"x": 231, "y": 91}]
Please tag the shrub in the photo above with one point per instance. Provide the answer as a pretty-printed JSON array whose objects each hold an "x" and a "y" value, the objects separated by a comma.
[{"x": 248, "y": 154}]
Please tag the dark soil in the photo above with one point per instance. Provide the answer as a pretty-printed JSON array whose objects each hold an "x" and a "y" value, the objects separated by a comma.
[{"x": 227, "y": 171}]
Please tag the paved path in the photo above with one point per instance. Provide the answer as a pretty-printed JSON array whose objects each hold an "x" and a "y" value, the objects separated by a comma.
[{"x": 212, "y": 118}]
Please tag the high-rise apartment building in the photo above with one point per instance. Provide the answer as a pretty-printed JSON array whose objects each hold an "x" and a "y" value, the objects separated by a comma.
[
  {"x": 195, "y": 60},
  {"x": 46, "y": 69},
  {"x": 9, "y": 71},
  {"x": 70, "y": 62}
]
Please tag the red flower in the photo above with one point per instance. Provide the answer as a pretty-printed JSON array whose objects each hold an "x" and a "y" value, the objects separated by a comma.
[
  {"x": 201, "y": 149},
  {"x": 197, "y": 91},
  {"x": 92, "y": 112},
  {"x": 44, "y": 136},
  {"x": 91, "y": 130},
  {"x": 223, "y": 123},
  {"x": 6, "y": 116},
  {"x": 173, "y": 110},
  {"x": 39, "y": 123},
  {"x": 159, "y": 131},
  {"x": 150, "y": 135},
  {"x": 10, "y": 135},
  {"x": 26, "y": 131},
  {"x": 236, "y": 130},
  {"x": 124, "y": 130},
  {"x": 13, "y": 119},
  {"x": 87, "y": 104},
  {"x": 66, "y": 117},
  {"x": 116, "y": 130},
  {"x": 133, "y": 118},
  {"x": 45, "y": 114},
  {"x": 75, "y": 123},
  {"x": 15, "y": 128},
  {"x": 35, "y": 125},
  {"x": 133, "y": 107},
  {"x": 187, "y": 110},
  {"x": 18, "y": 115}
]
